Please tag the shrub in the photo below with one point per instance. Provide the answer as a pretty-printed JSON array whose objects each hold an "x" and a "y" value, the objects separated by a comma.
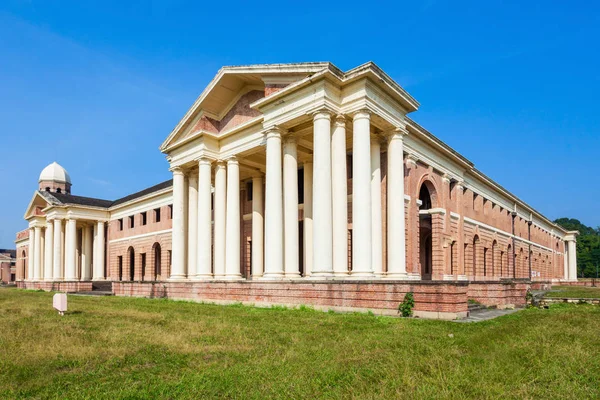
[{"x": 405, "y": 308}]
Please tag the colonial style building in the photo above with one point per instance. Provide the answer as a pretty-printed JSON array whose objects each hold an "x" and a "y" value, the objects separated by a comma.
[{"x": 298, "y": 183}]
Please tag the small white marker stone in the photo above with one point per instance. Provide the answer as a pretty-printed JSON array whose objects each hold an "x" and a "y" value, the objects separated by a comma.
[{"x": 59, "y": 302}]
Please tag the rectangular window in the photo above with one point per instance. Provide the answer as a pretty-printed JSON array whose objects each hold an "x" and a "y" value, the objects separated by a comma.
[
  {"x": 144, "y": 218},
  {"x": 131, "y": 221},
  {"x": 157, "y": 215},
  {"x": 120, "y": 224},
  {"x": 171, "y": 211},
  {"x": 249, "y": 191},
  {"x": 301, "y": 186}
]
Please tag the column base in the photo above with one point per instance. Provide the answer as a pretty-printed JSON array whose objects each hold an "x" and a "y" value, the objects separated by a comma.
[
  {"x": 98, "y": 279},
  {"x": 271, "y": 276},
  {"x": 362, "y": 274},
  {"x": 202, "y": 278},
  {"x": 177, "y": 278},
  {"x": 401, "y": 276},
  {"x": 293, "y": 276},
  {"x": 322, "y": 275},
  {"x": 236, "y": 277}
]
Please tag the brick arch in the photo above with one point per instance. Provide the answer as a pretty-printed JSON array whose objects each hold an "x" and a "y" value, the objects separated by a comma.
[{"x": 429, "y": 181}]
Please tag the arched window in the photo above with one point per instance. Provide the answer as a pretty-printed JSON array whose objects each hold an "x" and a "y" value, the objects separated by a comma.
[
  {"x": 493, "y": 259},
  {"x": 475, "y": 258},
  {"x": 425, "y": 198},
  {"x": 58, "y": 190},
  {"x": 509, "y": 261}
]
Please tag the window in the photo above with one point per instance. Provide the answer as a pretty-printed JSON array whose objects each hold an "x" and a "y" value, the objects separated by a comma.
[
  {"x": 171, "y": 211},
  {"x": 157, "y": 215},
  {"x": 249, "y": 191},
  {"x": 144, "y": 218},
  {"x": 301, "y": 186},
  {"x": 121, "y": 224},
  {"x": 47, "y": 189},
  {"x": 131, "y": 221},
  {"x": 58, "y": 190}
]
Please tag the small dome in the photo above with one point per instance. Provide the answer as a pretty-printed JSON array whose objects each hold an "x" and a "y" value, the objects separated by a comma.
[{"x": 54, "y": 172}]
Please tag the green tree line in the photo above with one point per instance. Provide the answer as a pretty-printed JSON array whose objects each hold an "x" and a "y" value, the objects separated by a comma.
[{"x": 588, "y": 246}]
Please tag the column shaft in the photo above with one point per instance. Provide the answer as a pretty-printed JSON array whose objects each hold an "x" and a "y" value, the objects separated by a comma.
[
  {"x": 49, "y": 247},
  {"x": 257, "y": 227},
  {"x": 322, "y": 207},
  {"x": 339, "y": 197},
  {"x": 71, "y": 250},
  {"x": 376, "y": 223},
  {"x": 100, "y": 251},
  {"x": 273, "y": 208},
  {"x": 396, "y": 241},
  {"x": 192, "y": 247},
  {"x": 178, "y": 235},
  {"x": 37, "y": 253},
  {"x": 204, "y": 241},
  {"x": 220, "y": 211},
  {"x": 290, "y": 187},
  {"x": 572, "y": 260},
  {"x": 58, "y": 250},
  {"x": 232, "y": 227},
  {"x": 86, "y": 261},
  {"x": 566, "y": 261},
  {"x": 361, "y": 196},
  {"x": 31, "y": 255},
  {"x": 308, "y": 218}
]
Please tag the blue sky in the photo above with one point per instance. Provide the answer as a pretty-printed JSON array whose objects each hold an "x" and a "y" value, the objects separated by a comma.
[{"x": 512, "y": 85}]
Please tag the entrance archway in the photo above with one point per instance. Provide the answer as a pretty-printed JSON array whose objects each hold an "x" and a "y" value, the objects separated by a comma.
[{"x": 426, "y": 230}]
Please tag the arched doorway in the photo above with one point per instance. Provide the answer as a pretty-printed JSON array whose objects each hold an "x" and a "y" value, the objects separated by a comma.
[
  {"x": 156, "y": 254},
  {"x": 475, "y": 255},
  {"x": 131, "y": 256},
  {"x": 425, "y": 232}
]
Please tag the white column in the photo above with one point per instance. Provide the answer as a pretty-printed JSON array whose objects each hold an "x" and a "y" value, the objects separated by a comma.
[
  {"x": 572, "y": 260},
  {"x": 86, "y": 261},
  {"x": 99, "y": 251},
  {"x": 396, "y": 241},
  {"x": 361, "y": 196},
  {"x": 322, "y": 208},
  {"x": 48, "y": 244},
  {"x": 376, "y": 224},
  {"x": 70, "y": 250},
  {"x": 37, "y": 253},
  {"x": 273, "y": 208},
  {"x": 192, "y": 247},
  {"x": 232, "y": 226},
  {"x": 308, "y": 218},
  {"x": 178, "y": 235},
  {"x": 257, "y": 227},
  {"x": 566, "y": 262},
  {"x": 220, "y": 210},
  {"x": 290, "y": 208},
  {"x": 339, "y": 196},
  {"x": 31, "y": 255},
  {"x": 58, "y": 250},
  {"x": 204, "y": 241}
]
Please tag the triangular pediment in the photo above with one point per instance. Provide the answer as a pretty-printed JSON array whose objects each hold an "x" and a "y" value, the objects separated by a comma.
[
  {"x": 36, "y": 206},
  {"x": 225, "y": 103}
]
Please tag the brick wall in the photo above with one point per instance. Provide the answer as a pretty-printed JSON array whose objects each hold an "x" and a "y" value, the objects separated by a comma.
[{"x": 70, "y": 287}]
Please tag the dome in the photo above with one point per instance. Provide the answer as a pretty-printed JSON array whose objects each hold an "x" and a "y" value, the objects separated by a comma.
[{"x": 55, "y": 173}]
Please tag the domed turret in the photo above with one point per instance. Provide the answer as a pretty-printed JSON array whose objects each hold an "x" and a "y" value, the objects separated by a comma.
[{"x": 55, "y": 178}]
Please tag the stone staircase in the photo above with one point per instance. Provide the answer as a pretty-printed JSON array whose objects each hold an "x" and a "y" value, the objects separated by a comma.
[{"x": 100, "y": 288}]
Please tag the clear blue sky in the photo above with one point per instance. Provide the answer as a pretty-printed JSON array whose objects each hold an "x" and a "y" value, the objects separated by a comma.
[{"x": 513, "y": 86}]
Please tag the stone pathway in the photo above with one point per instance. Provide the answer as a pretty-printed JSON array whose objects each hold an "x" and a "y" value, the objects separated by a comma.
[{"x": 484, "y": 315}]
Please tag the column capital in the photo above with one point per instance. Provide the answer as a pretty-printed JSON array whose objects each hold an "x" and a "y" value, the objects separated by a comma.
[
  {"x": 176, "y": 170},
  {"x": 363, "y": 113},
  {"x": 340, "y": 120},
  {"x": 322, "y": 113},
  {"x": 290, "y": 138},
  {"x": 397, "y": 133},
  {"x": 274, "y": 131},
  {"x": 232, "y": 160},
  {"x": 412, "y": 158},
  {"x": 204, "y": 161}
]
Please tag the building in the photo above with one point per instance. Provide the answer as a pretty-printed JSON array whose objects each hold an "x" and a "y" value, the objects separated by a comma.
[
  {"x": 8, "y": 259},
  {"x": 300, "y": 183}
]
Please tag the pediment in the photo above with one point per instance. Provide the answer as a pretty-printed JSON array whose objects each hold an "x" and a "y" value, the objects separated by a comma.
[
  {"x": 36, "y": 206},
  {"x": 225, "y": 103}
]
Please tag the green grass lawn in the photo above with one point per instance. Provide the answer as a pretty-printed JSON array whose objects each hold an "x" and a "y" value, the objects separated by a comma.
[
  {"x": 138, "y": 348},
  {"x": 574, "y": 292}
]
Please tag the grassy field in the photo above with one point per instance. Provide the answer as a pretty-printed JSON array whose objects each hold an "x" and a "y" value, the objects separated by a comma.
[
  {"x": 138, "y": 348},
  {"x": 574, "y": 292}
]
